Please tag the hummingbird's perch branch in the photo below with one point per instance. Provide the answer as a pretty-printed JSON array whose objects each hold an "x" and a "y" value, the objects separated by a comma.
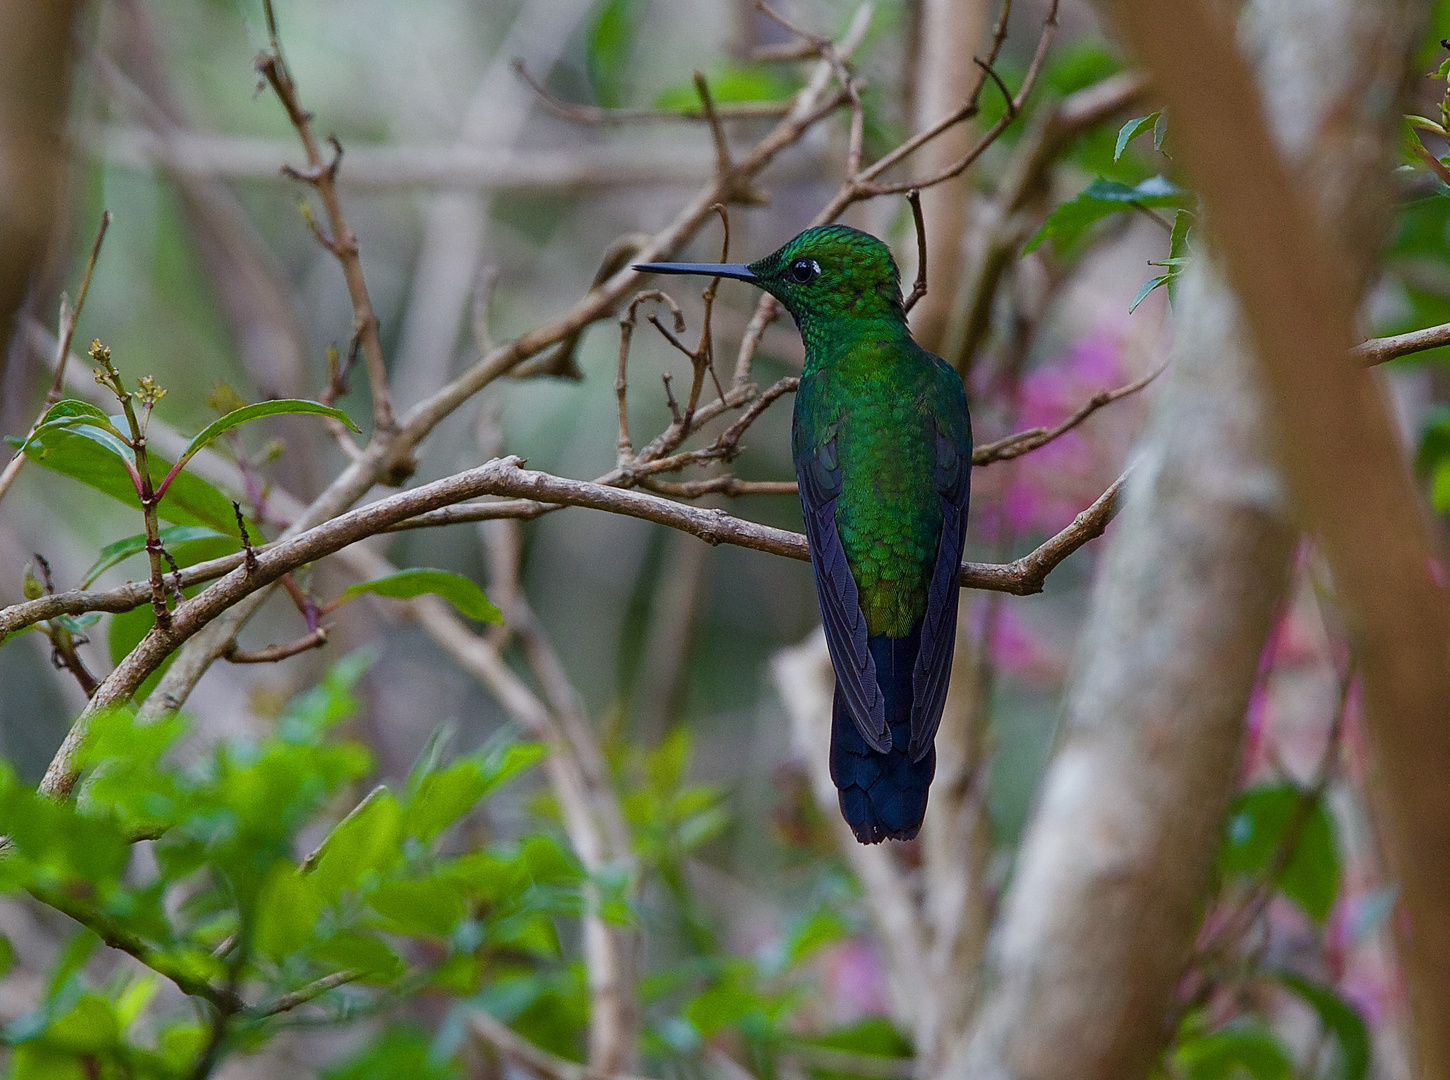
[{"x": 524, "y": 493}]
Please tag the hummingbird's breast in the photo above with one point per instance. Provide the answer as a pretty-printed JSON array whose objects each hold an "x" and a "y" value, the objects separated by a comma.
[{"x": 888, "y": 514}]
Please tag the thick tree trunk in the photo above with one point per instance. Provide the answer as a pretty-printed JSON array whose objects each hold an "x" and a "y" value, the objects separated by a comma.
[{"x": 1112, "y": 875}]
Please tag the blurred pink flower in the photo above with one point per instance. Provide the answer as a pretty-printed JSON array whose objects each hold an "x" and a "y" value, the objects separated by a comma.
[
  {"x": 1017, "y": 647},
  {"x": 854, "y": 980},
  {"x": 1050, "y": 486}
]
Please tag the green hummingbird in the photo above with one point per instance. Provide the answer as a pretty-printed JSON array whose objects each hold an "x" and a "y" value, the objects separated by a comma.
[{"x": 882, "y": 445}]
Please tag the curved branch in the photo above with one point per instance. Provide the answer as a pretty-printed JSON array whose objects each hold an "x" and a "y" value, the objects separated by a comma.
[
  {"x": 526, "y": 494},
  {"x": 1383, "y": 349},
  {"x": 1022, "y": 442}
]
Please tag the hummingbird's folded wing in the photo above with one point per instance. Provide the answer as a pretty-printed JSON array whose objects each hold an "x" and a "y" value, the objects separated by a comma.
[
  {"x": 939, "y": 625},
  {"x": 819, "y": 475}
]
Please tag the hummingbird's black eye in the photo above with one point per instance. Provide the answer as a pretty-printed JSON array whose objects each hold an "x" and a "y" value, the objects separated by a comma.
[{"x": 804, "y": 271}]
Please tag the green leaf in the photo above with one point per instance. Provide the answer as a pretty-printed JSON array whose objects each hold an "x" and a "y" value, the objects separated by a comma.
[
  {"x": 458, "y": 590},
  {"x": 132, "y": 1001},
  {"x": 366, "y": 842},
  {"x": 1132, "y": 129},
  {"x": 72, "y": 452},
  {"x": 7, "y": 955},
  {"x": 1160, "y": 129},
  {"x": 1078, "y": 64},
  {"x": 607, "y": 60},
  {"x": 176, "y": 535},
  {"x": 1230, "y": 1053},
  {"x": 107, "y": 437},
  {"x": 362, "y": 952},
  {"x": 287, "y": 913},
  {"x": 1260, "y": 825},
  {"x": 825, "y": 927},
  {"x": 1067, "y": 223},
  {"x": 1338, "y": 1017},
  {"x": 1148, "y": 286},
  {"x": 1432, "y": 457},
  {"x": 396, "y": 1052},
  {"x": 729, "y": 83},
  {"x": 1178, "y": 239},
  {"x": 441, "y": 798},
  {"x": 428, "y": 908},
  {"x": 248, "y": 413},
  {"x": 77, "y": 952},
  {"x": 88, "y": 1027}
]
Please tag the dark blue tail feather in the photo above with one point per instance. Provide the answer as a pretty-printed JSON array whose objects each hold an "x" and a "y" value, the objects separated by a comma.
[{"x": 883, "y": 796}]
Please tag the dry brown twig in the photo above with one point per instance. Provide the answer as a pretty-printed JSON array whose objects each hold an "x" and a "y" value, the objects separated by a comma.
[
  {"x": 321, "y": 174},
  {"x": 918, "y": 287}
]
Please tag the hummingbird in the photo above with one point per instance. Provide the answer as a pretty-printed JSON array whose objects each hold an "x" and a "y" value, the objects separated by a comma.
[{"x": 882, "y": 446}]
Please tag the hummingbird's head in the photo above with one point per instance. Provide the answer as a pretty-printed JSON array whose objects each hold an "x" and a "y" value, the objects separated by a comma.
[
  {"x": 833, "y": 272},
  {"x": 827, "y": 273}
]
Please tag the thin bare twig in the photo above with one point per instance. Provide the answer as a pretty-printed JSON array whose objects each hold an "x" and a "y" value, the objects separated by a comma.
[
  {"x": 302, "y": 995},
  {"x": 1022, "y": 442},
  {"x": 70, "y": 315},
  {"x": 918, "y": 288},
  {"x": 321, "y": 173},
  {"x": 1384, "y": 349},
  {"x": 274, "y": 653},
  {"x": 866, "y": 184}
]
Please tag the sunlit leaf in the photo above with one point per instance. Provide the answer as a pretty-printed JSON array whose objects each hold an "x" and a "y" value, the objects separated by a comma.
[{"x": 1067, "y": 223}]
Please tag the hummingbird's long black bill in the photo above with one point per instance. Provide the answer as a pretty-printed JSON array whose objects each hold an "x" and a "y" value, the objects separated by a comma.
[{"x": 738, "y": 271}]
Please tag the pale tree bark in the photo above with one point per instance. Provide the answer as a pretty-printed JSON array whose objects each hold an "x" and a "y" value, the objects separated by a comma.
[{"x": 1114, "y": 869}]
